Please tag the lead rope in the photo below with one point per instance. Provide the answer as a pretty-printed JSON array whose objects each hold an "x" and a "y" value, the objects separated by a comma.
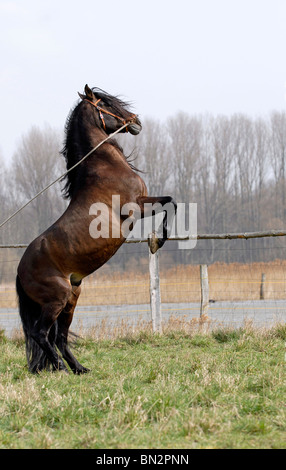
[{"x": 63, "y": 175}]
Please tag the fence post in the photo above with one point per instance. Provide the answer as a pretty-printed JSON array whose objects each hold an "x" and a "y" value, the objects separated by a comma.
[
  {"x": 155, "y": 294},
  {"x": 204, "y": 289},
  {"x": 262, "y": 286}
]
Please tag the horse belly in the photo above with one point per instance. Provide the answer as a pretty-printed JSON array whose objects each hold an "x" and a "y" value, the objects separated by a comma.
[{"x": 83, "y": 264}]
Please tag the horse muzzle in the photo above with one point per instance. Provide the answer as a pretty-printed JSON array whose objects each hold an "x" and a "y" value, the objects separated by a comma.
[{"x": 135, "y": 127}]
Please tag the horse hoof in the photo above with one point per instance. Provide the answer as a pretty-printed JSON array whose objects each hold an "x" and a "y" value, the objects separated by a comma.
[
  {"x": 60, "y": 367},
  {"x": 153, "y": 242},
  {"x": 83, "y": 370}
]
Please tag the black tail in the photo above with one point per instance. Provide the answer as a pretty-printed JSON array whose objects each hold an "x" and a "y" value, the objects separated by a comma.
[{"x": 30, "y": 312}]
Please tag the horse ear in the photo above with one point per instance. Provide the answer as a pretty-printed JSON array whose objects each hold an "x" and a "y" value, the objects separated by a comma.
[
  {"x": 89, "y": 93},
  {"x": 80, "y": 95}
]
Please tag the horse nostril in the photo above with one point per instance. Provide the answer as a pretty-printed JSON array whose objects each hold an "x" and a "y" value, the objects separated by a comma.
[{"x": 137, "y": 121}]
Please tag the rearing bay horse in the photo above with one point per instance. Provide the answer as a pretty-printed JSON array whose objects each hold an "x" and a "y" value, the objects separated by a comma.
[{"x": 54, "y": 264}]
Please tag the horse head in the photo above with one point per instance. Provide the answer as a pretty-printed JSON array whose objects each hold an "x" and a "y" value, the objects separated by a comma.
[{"x": 112, "y": 112}]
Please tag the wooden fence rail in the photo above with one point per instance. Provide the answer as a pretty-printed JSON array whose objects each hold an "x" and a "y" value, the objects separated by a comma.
[{"x": 199, "y": 236}]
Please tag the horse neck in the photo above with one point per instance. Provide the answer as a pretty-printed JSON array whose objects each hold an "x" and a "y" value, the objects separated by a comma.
[
  {"x": 82, "y": 137},
  {"x": 86, "y": 134}
]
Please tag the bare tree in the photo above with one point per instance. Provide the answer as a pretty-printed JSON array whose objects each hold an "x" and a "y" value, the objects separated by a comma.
[
  {"x": 35, "y": 164},
  {"x": 278, "y": 159},
  {"x": 185, "y": 137},
  {"x": 150, "y": 152}
]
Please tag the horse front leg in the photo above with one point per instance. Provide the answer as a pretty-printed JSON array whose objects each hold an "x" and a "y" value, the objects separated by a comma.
[{"x": 150, "y": 206}]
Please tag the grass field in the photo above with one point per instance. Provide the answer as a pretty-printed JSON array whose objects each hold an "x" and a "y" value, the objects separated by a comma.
[{"x": 190, "y": 388}]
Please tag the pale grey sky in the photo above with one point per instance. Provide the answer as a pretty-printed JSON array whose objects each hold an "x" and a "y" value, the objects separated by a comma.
[{"x": 216, "y": 56}]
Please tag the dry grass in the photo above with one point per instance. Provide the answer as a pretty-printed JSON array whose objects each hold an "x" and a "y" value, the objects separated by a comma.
[
  {"x": 182, "y": 284},
  {"x": 104, "y": 329},
  {"x": 179, "y": 284},
  {"x": 242, "y": 281}
]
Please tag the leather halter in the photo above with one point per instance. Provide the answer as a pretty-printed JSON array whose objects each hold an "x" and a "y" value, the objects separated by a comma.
[{"x": 101, "y": 110}]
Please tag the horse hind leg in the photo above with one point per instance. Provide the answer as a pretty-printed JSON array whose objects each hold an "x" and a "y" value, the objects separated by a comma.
[
  {"x": 63, "y": 323},
  {"x": 44, "y": 333},
  {"x": 37, "y": 326}
]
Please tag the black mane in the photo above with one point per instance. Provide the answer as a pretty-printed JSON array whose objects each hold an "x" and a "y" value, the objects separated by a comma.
[
  {"x": 73, "y": 151},
  {"x": 114, "y": 101}
]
